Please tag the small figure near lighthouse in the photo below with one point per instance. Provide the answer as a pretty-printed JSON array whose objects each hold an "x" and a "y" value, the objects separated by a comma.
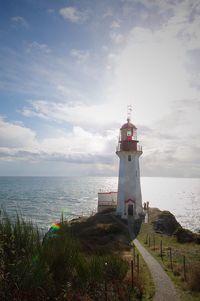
[{"x": 129, "y": 197}]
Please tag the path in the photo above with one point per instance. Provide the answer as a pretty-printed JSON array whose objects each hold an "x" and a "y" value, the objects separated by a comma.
[
  {"x": 165, "y": 290},
  {"x": 164, "y": 287}
]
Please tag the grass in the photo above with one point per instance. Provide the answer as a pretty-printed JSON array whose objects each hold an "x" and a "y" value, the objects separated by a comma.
[
  {"x": 107, "y": 234},
  {"x": 187, "y": 282},
  {"x": 61, "y": 268},
  {"x": 148, "y": 283}
]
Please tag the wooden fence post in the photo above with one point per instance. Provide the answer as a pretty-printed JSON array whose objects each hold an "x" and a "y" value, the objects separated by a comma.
[
  {"x": 184, "y": 268},
  {"x": 146, "y": 240},
  {"x": 170, "y": 257},
  {"x": 149, "y": 241},
  {"x": 106, "y": 292},
  {"x": 134, "y": 254},
  {"x": 138, "y": 265},
  {"x": 161, "y": 250},
  {"x": 132, "y": 273},
  {"x": 154, "y": 243}
]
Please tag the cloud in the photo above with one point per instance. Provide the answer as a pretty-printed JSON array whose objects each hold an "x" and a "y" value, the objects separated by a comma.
[
  {"x": 117, "y": 37},
  {"x": 50, "y": 11},
  {"x": 152, "y": 61},
  {"x": 80, "y": 55},
  {"x": 76, "y": 146},
  {"x": 108, "y": 13},
  {"x": 42, "y": 73},
  {"x": 16, "y": 136},
  {"x": 94, "y": 116},
  {"x": 170, "y": 145},
  {"x": 20, "y": 21},
  {"x": 35, "y": 46},
  {"x": 165, "y": 145},
  {"x": 115, "y": 24},
  {"x": 153, "y": 69},
  {"x": 73, "y": 15}
]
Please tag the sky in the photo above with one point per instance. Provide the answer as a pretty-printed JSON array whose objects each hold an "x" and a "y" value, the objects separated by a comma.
[{"x": 68, "y": 71}]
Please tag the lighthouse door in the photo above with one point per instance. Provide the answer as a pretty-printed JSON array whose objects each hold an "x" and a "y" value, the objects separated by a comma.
[{"x": 130, "y": 209}]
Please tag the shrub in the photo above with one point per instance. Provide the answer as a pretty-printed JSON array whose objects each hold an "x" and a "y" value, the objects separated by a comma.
[
  {"x": 193, "y": 278},
  {"x": 184, "y": 235},
  {"x": 54, "y": 269}
]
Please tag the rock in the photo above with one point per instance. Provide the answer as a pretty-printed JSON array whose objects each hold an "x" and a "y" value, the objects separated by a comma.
[
  {"x": 166, "y": 223},
  {"x": 184, "y": 235},
  {"x": 197, "y": 239}
]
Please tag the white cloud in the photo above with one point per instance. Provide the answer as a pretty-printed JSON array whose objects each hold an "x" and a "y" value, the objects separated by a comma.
[
  {"x": 19, "y": 20},
  {"x": 76, "y": 146},
  {"x": 50, "y": 11},
  {"x": 73, "y": 15},
  {"x": 109, "y": 13},
  {"x": 150, "y": 71},
  {"x": 95, "y": 116},
  {"x": 115, "y": 24},
  {"x": 16, "y": 136},
  {"x": 35, "y": 46},
  {"x": 117, "y": 37},
  {"x": 80, "y": 55}
]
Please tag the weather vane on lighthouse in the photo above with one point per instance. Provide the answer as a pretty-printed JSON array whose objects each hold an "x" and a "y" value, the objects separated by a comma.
[{"x": 129, "y": 112}]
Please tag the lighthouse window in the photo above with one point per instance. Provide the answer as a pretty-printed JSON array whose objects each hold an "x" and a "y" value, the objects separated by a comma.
[{"x": 129, "y": 157}]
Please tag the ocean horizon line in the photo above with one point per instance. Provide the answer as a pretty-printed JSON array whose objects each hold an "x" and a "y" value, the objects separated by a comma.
[{"x": 89, "y": 176}]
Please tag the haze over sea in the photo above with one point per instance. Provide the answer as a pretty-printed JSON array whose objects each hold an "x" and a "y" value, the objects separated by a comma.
[{"x": 42, "y": 199}]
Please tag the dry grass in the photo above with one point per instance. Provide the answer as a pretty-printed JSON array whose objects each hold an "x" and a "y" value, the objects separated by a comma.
[
  {"x": 189, "y": 287},
  {"x": 193, "y": 281},
  {"x": 102, "y": 234}
]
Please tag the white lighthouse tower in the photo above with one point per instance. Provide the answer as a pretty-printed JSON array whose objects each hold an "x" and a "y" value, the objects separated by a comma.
[{"x": 129, "y": 198}]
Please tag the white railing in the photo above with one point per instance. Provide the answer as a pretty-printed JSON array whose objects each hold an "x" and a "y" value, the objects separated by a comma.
[
  {"x": 139, "y": 148},
  {"x": 107, "y": 203}
]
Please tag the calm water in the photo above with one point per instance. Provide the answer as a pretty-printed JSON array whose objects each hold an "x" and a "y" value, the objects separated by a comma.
[{"x": 42, "y": 199}]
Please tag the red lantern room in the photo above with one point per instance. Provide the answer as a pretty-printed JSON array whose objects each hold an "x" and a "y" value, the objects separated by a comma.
[{"x": 128, "y": 137}]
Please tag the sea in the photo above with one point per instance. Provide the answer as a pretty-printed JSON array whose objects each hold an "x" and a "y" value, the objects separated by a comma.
[{"x": 44, "y": 199}]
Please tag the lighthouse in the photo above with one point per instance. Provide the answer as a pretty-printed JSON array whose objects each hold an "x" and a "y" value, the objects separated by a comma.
[{"x": 129, "y": 197}]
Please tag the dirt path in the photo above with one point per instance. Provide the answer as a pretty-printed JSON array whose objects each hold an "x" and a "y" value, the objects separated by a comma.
[{"x": 165, "y": 290}]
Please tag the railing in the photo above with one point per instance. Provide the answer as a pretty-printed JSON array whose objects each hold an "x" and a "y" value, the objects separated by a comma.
[
  {"x": 111, "y": 203},
  {"x": 118, "y": 148}
]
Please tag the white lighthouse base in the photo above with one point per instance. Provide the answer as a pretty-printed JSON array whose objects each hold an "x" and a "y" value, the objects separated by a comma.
[{"x": 129, "y": 198}]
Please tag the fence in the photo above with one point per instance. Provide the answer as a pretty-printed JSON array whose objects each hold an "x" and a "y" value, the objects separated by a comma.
[
  {"x": 110, "y": 293},
  {"x": 172, "y": 258}
]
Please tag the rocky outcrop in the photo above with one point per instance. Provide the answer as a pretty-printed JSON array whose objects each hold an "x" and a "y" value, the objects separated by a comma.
[
  {"x": 184, "y": 235},
  {"x": 166, "y": 223}
]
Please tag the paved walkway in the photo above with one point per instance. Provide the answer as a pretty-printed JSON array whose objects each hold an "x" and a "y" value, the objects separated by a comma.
[{"x": 164, "y": 287}]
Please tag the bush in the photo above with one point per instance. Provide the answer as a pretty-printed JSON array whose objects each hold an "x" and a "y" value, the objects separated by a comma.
[
  {"x": 184, "y": 235},
  {"x": 194, "y": 277},
  {"x": 54, "y": 269}
]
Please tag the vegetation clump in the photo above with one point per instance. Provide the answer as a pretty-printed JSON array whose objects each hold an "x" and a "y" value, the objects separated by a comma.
[
  {"x": 185, "y": 236},
  {"x": 193, "y": 283},
  {"x": 59, "y": 267}
]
